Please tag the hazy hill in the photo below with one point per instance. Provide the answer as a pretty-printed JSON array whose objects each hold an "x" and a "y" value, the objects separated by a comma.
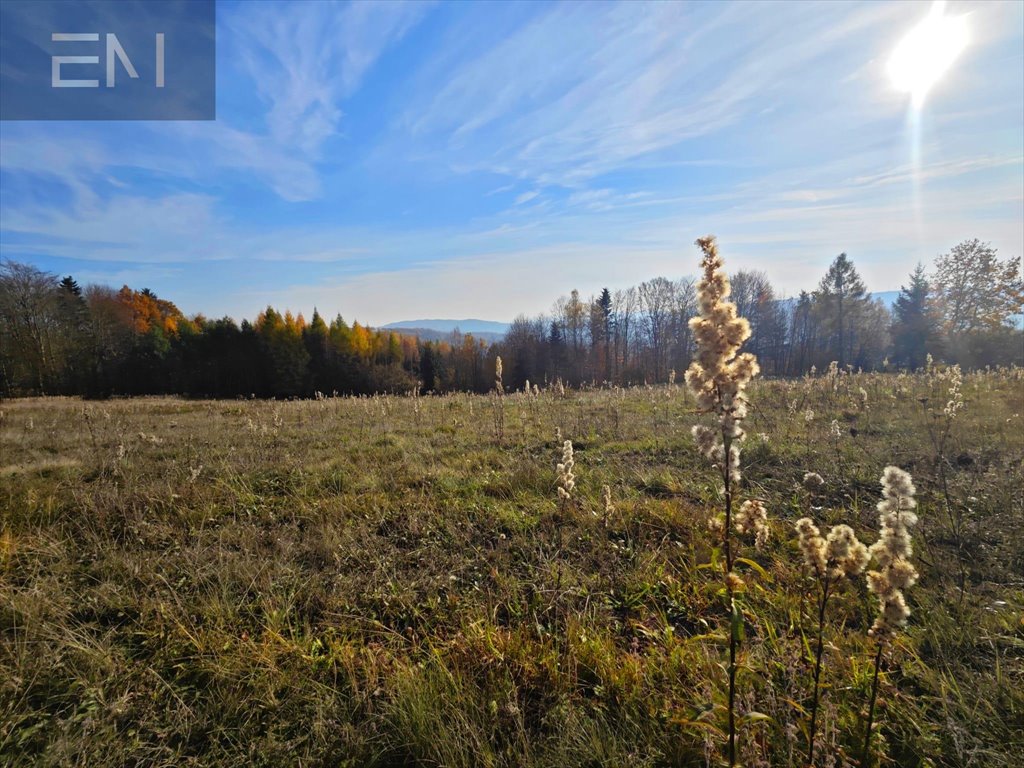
[{"x": 447, "y": 326}]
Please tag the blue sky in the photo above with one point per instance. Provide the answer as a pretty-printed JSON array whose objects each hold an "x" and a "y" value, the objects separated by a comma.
[{"x": 393, "y": 161}]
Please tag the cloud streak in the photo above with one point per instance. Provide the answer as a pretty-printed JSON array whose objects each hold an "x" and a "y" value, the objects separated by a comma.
[{"x": 394, "y": 159}]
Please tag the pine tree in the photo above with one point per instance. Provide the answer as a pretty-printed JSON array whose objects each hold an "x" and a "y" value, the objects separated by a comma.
[
  {"x": 604, "y": 304},
  {"x": 556, "y": 343},
  {"x": 915, "y": 327},
  {"x": 315, "y": 337},
  {"x": 427, "y": 373},
  {"x": 841, "y": 295},
  {"x": 70, "y": 286}
]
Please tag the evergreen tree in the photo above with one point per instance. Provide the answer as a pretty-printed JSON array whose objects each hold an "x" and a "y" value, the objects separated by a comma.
[
  {"x": 604, "y": 304},
  {"x": 915, "y": 327},
  {"x": 285, "y": 355},
  {"x": 427, "y": 372},
  {"x": 556, "y": 344},
  {"x": 841, "y": 296},
  {"x": 77, "y": 344},
  {"x": 70, "y": 286},
  {"x": 315, "y": 337}
]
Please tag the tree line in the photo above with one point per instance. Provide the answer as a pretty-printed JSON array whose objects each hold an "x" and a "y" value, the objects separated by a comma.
[
  {"x": 965, "y": 310},
  {"x": 59, "y": 338}
]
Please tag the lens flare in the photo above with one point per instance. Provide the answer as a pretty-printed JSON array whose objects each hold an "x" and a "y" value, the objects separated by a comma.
[{"x": 927, "y": 52}]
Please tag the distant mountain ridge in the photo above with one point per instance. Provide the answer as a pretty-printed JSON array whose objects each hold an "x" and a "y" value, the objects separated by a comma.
[{"x": 469, "y": 325}]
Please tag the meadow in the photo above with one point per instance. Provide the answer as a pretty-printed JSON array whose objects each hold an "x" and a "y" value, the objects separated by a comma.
[{"x": 394, "y": 580}]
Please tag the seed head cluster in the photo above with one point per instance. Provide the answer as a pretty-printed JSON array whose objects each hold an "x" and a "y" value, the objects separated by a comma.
[
  {"x": 892, "y": 552},
  {"x": 834, "y": 556},
  {"x": 566, "y": 479},
  {"x": 753, "y": 517},
  {"x": 720, "y": 374},
  {"x": 956, "y": 398},
  {"x": 606, "y": 498}
]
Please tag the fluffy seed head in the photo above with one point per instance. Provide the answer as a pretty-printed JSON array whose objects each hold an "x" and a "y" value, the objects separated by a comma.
[
  {"x": 845, "y": 553},
  {"x": 720, "y": 374},
  {"x": 753, "y": 516},
  {"x": 606, "y": 497},
  {"x": 838, "y": 555},
  {"x": 812, "y": 545},
  {"x": 892, "y": 552},
  {"x": 566, "y": 478}
]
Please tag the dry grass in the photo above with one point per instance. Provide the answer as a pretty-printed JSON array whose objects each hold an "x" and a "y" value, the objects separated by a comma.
[{"x": 357, "y": 582}]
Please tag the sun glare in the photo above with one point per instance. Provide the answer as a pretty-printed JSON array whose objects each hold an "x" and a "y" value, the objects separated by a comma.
[{"x": 928, "y": 50}]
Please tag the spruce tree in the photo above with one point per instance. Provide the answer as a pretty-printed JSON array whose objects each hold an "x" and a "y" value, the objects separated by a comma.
[
  {"x": 915, "y": 327},
  {"x": 840, "y": 296},
  {"x": 604, "y": 303}
]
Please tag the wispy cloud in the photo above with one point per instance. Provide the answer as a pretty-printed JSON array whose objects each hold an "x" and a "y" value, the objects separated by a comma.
[
  {"x": 386, "y": 159},
  {"x": 306, "y": 58},
  {"x": 628, "y": 82}
]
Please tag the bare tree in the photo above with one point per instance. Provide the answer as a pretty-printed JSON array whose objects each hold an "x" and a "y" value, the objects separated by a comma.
[
  {"x": 30, "y": 311},
  {"x": 625, "y": 303},
  {"x": 658, "y": 298}
]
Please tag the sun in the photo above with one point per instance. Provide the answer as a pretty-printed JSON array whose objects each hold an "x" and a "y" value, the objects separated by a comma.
[{"x": 926, "y": 52}]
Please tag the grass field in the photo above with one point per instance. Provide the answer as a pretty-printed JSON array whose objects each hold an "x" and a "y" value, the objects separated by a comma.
[{"x": 391, "y": 582}]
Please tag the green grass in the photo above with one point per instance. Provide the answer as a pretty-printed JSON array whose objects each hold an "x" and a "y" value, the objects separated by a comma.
[{"x": 351, "y": 583}]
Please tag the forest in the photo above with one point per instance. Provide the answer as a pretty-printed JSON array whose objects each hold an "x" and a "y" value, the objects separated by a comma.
[{"x": 57, "y": 337}]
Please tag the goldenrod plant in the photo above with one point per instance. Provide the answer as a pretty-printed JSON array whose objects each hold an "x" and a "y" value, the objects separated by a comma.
[
  {"x": 894, "y": 573},
  {"x": 830, "y": 559},
  {"x": 719, "y": 378}
]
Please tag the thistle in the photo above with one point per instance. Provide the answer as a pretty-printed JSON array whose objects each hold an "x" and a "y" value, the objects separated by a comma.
[
  {"x": 895, "y": 572},
  {"x": 840, "y": 555},
  {"x": 718, "y": 378}
]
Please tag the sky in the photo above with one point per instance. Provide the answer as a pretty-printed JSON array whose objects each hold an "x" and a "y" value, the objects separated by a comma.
[{"x": 397, "y": 161}]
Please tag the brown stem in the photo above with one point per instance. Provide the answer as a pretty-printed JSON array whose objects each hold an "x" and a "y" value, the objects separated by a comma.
[
  {"x": 732, "y": 683},
  {"x": 726, "y": 476},
  {"x": 817, "y": 673},
  {"x": 871, "y": 708}
]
